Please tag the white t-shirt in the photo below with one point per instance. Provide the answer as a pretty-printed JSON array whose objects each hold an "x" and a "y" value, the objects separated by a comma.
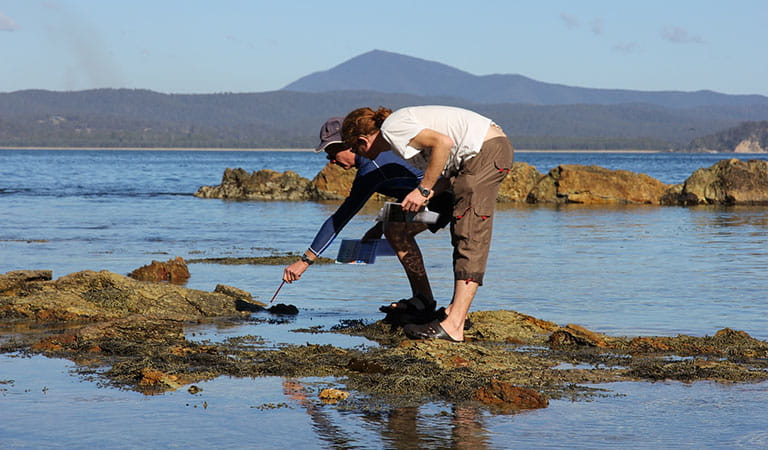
[{"x": 466, "y": 128}]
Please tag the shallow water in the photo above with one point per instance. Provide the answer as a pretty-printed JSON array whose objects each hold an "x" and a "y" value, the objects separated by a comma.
[{"x": 618, "y": 270}]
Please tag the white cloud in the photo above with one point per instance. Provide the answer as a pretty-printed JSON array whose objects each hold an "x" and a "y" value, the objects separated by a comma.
[
  {"x": 627, "y": 48},
  {"x": 7, "y": 24},
  {"x": 678, "y": 35},
  {"x": 570, "y": 20},
  {"x": 597, "y": 26}
]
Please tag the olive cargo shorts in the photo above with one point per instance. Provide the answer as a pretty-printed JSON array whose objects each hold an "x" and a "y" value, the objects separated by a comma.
[{"x": 475, "y": 188}]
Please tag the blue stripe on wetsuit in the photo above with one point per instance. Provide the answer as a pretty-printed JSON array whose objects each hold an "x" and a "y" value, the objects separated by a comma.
[{"x": 388, "y": 174}]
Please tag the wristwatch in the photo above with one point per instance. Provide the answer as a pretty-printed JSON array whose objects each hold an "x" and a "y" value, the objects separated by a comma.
[
  {"x": 306, "y": 259},
  {"x": 424, "y": 191}
]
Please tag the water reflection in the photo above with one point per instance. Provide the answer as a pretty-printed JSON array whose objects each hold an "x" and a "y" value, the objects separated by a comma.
[
  {"x": 460, "y": 427},
  {"x": 731, "y": 216},
  {"x": 322, "y": 424}
]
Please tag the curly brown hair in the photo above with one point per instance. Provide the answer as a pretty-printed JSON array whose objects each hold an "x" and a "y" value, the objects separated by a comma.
[{"x": 361, "y": 122}]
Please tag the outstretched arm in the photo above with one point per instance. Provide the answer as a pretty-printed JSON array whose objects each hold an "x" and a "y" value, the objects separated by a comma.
[{"x": 362, "y": 189}]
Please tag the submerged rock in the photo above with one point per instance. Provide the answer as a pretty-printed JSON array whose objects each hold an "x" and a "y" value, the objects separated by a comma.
[
  {"x": 507, "y": 397},
  {"x": 333, "y": 396}
]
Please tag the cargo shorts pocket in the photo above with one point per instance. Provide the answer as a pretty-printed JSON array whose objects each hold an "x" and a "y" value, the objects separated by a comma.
[
  {"x": 503, "y": 163},
  {"x": 471, "y": 221}
]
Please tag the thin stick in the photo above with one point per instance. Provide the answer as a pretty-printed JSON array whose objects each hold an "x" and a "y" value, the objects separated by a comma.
[{"x": 276, "y": 292}]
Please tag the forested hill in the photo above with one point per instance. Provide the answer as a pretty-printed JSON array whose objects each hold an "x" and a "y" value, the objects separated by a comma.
[
  {"x": 535, "y": 115},
  {"x": 747, "y": 137},
  {"x": 290, "y": 119}
]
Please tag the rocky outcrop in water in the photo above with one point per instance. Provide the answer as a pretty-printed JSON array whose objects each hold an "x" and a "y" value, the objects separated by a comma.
[
  {"x": 332, "y": 183},
  {"x": 238, "y": 184},
  {"x": 590, "y": 185},
  {"x": 728, "y": 182}
]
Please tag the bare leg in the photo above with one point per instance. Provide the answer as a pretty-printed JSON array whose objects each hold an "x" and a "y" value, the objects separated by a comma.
[
  {"x": 401, "y": 237},
  {"x": 463, "y": 294}
]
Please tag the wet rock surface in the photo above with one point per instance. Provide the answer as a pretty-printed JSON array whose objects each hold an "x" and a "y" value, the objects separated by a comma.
[{"x": 131, "y": 334}]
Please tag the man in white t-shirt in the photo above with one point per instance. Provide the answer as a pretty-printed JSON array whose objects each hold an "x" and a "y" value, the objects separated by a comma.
[{"x": 448, "y": 143}]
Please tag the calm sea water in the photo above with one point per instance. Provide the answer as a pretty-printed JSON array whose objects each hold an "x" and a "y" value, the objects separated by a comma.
[{"x": 618, "y": 270}]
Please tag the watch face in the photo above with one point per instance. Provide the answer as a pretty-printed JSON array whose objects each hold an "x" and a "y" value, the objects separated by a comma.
[{"x": 424, "y": 191}]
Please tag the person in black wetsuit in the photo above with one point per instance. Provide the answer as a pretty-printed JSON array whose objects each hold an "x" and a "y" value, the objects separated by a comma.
[{"x": 390, "y": 175}]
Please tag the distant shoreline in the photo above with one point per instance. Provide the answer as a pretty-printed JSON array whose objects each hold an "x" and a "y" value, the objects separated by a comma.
[{"x": 186, "y": 149}]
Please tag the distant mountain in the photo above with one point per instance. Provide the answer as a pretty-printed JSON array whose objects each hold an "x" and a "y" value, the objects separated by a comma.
[{"x": 395, "y": 73}]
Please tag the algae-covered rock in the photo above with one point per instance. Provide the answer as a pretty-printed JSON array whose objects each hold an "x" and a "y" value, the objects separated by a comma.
[
  {"x": 509, "y": 326},
  {"x": 509, "y": 360},
  {"x": 92, "y": 295},
  {"x": 14, "y": 282}
]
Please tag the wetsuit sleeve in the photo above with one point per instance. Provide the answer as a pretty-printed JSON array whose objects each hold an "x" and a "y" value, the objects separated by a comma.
[{"x": 362, "y": 190}]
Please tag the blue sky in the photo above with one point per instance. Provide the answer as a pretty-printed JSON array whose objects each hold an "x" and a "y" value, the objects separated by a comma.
[{"x": 197, "y": 46}]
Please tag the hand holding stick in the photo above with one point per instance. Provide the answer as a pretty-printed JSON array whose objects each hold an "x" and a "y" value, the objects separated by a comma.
[{"x": 276, "y": 292}]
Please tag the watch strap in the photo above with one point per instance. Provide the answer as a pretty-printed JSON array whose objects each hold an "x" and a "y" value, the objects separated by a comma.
[{"x": 306, "y": 259}]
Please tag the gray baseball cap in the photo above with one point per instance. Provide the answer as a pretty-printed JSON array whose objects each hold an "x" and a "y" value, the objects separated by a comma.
[{"x": 330, "y": 133}]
